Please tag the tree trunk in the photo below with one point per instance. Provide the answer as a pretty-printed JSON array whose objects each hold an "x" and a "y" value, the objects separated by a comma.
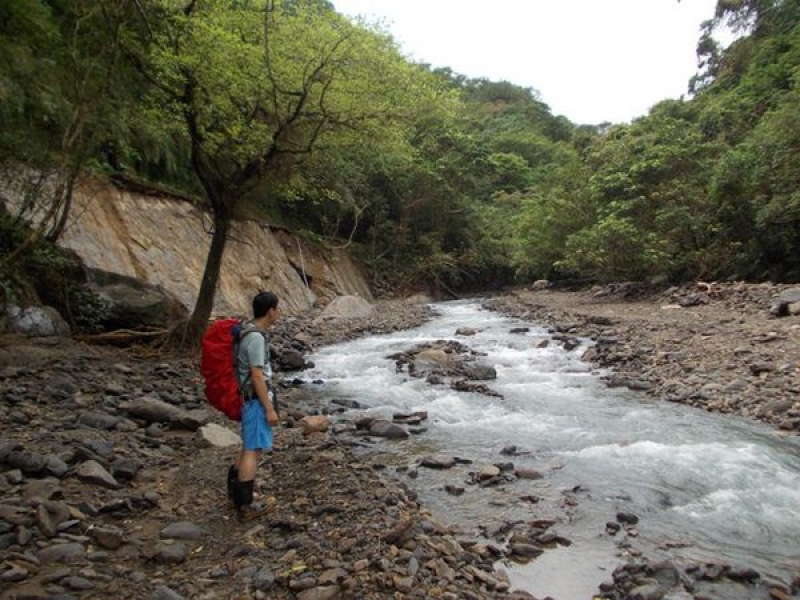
[{"x": 208, "y": 286}]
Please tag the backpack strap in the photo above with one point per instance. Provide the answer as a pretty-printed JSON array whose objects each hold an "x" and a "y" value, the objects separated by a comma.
[{"x": 246, "y": 329}]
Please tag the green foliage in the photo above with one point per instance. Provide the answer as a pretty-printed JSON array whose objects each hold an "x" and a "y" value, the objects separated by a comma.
[
  {"x": 32, "y": 105},
  {"x": 615, "y": 249},
  {"x": 85, "y": 310},
  {"x": 45, "y": 267},
  {"x": 285, "y": 109}
]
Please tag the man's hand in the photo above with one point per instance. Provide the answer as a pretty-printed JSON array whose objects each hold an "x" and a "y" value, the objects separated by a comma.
[{"x": 272, "y": 417}]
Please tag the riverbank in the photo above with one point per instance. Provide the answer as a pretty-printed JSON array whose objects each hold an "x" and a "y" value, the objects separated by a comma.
[
  {"x": 113, "y": 486},
  {"x": 108, "y": 492},
  {"x": 712, "y": 346}
]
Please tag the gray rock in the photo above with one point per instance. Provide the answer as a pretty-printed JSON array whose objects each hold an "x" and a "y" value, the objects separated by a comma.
[
  {"x": 526, "y": 550},
  {"x": 192, "y": 420},
  {"x": 627, "y": 518},
  {"x": 438, "y": 462},
  {"x": 113, "y": 388},
  {"x": 650, "y": 591},
  {"x": 431, "y": 357},
  {"x": 152, "y": 410},
  {"x": 131, "y": 304},
  {"x": 527, "y": 473},
  {"x": 40, "y": 321},
  {"x": 163, "y": 592},
  {"x": 55, "y": 466},
  {"x": 348, "y": 307},
  {"x": 183, "y": 531},
  {"x": 62, "y": 385},
  {"x": 540, "y": 284},
  {"x": 15, "y": 515},
  {"x": 667, "y": 574},
  {"x": 291, "y": 360},
  {"x": 790, "y": 295},
  {"x": 62, "y": 553},
  {"x": 125, "y": 468},
  {"x": 466, "y": 331},
  {"x": 332, "y": 576},
  {"x": 98, "y": 420},
  {"x": 218, "y": 436},
  {"x": 30, "y": 463},
  {"x": 77, "y": 583},
  {"x": 14, "y": 574},
  {"x": 171, "y": 554},
  {"x": 264, "y": 579},
  {"x": 93, "y": 472},
  {"x": 49, "y": 515},
  {"x": 388, "y": 430},
  {"x": 488, "y": 472},
  {"x": 107, "y": 537},
  {"x": 480, "y": 372},
  {"x": 325, "y": 592},
  {"x": 39, "y": 490}
]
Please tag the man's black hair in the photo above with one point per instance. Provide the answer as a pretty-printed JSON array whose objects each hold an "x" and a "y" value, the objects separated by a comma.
[{"x": 263, "y": 302}]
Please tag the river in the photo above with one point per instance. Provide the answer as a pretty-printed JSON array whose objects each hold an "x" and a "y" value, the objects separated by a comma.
[{"x": 704, "y": 487}]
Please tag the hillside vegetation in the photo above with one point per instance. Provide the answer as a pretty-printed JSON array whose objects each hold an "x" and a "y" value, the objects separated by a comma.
[{"x": 286, "y": 110}]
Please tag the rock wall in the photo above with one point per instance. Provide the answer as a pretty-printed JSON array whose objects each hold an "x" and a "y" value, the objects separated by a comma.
[{"x": 163, "y": 241}]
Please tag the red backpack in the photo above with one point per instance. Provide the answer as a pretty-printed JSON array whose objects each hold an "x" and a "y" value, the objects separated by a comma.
[{"x": 218, "y": 367}]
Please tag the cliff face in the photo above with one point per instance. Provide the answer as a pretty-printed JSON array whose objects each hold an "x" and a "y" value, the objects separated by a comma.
[{"x": 164, "y": 241}]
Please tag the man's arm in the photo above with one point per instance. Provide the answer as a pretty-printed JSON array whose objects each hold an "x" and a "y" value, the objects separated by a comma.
[{"x": 260, "y": 389}]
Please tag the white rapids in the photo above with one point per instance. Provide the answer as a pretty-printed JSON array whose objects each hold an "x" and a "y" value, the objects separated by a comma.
[{"x": 703, "y": 486}]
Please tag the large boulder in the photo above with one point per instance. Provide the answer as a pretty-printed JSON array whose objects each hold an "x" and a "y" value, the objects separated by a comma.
[
  {"x": 133, "y": 304},
  {"x": 37, "y": 321},
  {"x": 348, "y": 307}
]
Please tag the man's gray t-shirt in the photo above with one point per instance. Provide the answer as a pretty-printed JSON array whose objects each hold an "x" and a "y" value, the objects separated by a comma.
[{"x": 253, "y": 351}]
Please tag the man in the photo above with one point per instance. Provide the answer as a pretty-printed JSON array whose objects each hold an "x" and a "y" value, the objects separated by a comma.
[{"x": 254, "y": 372}]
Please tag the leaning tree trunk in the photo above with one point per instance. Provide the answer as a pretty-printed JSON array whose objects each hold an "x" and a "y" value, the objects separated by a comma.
[{"x": 208, "y": 286}]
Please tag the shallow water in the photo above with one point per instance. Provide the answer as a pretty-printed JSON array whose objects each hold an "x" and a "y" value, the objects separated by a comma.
[{"x": 703, "y": 486}]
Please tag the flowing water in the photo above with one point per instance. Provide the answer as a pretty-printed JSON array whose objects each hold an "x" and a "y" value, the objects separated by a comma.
[{"x": 704, "y": 487}]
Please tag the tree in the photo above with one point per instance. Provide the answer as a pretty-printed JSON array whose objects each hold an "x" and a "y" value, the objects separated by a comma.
[
  {"x": 256, "y": 87},
  {"x": 56, "y": 123}
]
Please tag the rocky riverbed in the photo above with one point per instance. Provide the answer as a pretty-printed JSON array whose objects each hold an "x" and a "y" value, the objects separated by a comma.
[
  {"x": 112, "y": 467},
  {"x": 719, "y": 347}
]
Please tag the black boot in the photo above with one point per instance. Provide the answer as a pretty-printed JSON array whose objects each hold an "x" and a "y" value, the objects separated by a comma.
[
  {"x": 243, "y": 499},
  {"x": 233, "y": 477}
]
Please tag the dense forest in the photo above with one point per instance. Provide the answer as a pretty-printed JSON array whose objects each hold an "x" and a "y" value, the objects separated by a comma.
[{"x": 287, "y": 111}]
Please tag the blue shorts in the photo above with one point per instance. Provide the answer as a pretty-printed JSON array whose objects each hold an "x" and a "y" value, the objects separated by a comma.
[{"x": 256, "y": 432}]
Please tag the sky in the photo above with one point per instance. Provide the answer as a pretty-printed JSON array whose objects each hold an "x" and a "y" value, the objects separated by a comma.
[{"x": 590, "y": 60}]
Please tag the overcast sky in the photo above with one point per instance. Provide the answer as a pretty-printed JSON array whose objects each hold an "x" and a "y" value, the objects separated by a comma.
[{"x": 590, "y": 60}]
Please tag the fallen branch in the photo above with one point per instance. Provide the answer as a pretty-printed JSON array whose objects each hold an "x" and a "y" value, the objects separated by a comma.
[{"x": 122, "y": 337}]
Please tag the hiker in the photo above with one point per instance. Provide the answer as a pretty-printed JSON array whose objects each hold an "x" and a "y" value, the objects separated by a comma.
[{"x": 254, "y": 372}]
